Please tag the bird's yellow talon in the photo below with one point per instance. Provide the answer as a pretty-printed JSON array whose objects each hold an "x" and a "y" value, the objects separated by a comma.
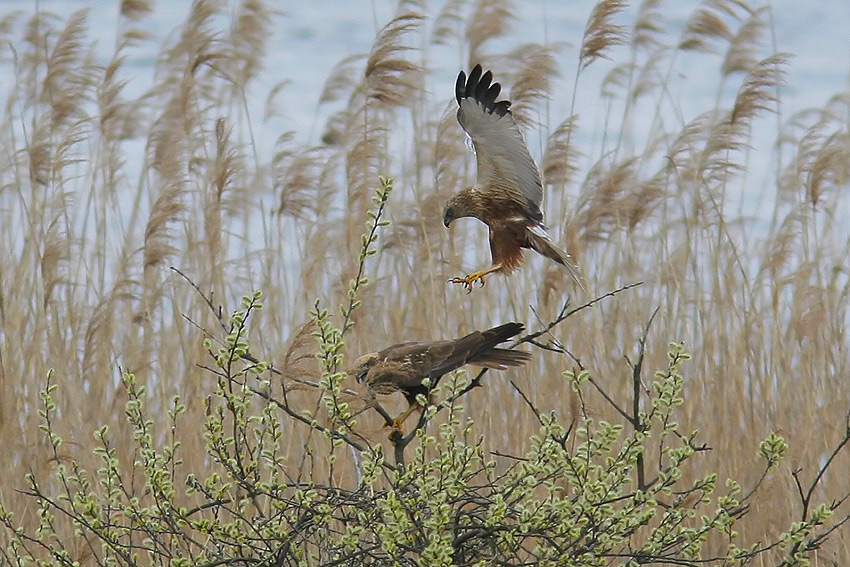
[{"x": 468, "y": 282}]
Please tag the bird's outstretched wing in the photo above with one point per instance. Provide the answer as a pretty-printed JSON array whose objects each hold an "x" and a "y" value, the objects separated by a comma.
[{"x": 505, "y": 167}]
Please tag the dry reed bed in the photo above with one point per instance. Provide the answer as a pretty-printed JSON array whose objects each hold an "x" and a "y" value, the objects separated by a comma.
[{"x": 86, "y": 244}]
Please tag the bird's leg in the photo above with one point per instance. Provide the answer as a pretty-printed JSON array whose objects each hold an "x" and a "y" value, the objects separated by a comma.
[
  {"x": 399, "y": 421},
  {"x": 478, "y": 276}
]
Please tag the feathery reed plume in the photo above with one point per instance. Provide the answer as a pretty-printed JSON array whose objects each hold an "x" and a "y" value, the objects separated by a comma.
[
  {"x": 299, "y": 360},
  {"x": 684, "y": 150},
  {"x": 601, "y": 34},
  {"x": 98, "y": 336},
  {"x": 66, "y": 148},
  {"x": 135, "y": 10},
  {"x": 361, "y": 171},
  {"x": 806, "y": 146},
  {"x": 165, "y": 210},
  {"x": 38, "y": 150},
  {"x": 648, "y": 25},
  {"x": 650, "y": 77},
  {"x": 419, "y": 229},
  {"x": 560, "y": 158},
  {"x": 760, "y": 89},
  {"x": 831, "y": 166},
  {"x": 68, "y": 78},
  {"x": 644, "y": 199},
  {"x": 37, "y": 30},
  {"x": 533, "y": 80},
  {"x": 820, "y": 151},
  {"x": 53, "y": 255},
  {"x": 113, "y": 122},
  {"x": 489, "y": 19},
  {"x": 780, "y": 245},
  {"x": 448, "y": 23},
  {"x": 719, "y": 157},
  {"x": 168, "y": 160},
  {"x": 603, "y": 206},
  {"x": 226, "y": 167},
  {"x": 8, "y": 23},
  {"x": 618, "y": 78},
  {"x": 809, "y": 311},
  {"x": 336, "y": 129},
  {"x": 248, "y": 41},
  {"x": 222, "y": 171},
  {"x": 704, "y": 26},
  {"x": 391, "y": 79},
  {"x": 449, "y": 151},
  {"x": 741, "y": 56},
  {"x": 198, "y": 43},
  {"x": 343, "y": 79},
  {"x": 705, "y": 149},
  {"x": 297, "y": 176}
]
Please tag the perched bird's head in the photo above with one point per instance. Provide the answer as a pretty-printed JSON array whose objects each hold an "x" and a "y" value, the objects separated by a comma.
[{"x": 362, "y": 366}]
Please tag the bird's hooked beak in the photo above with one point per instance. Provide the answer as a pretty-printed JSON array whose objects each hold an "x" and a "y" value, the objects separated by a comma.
[
  {"x": 448, "y": 216},
  {"x": 361, "y": 374},
  {"x": 362, "y": 364}
]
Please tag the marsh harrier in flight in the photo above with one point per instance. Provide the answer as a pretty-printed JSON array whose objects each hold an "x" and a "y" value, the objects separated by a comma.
[
  {"x": 508, "y": 191},
  {"x": 402, "y": 367}
]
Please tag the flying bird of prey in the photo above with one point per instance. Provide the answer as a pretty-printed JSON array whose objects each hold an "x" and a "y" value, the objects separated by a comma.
[
  {"x": 403, "y": 366},
  {"x": 508, "y": 192}
]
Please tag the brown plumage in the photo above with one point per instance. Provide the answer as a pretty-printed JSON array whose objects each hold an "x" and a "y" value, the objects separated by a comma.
[
  {"x": 403, "y": 366},
  {"x": 508, "y": 192}
]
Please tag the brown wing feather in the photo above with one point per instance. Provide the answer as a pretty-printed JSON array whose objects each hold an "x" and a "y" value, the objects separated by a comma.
[
  {"x": 476, "y": 346},
  {"x": 412, "y": 361},
  {"x": 403, "y": 366},
  {"x": 388, "y": 376}
]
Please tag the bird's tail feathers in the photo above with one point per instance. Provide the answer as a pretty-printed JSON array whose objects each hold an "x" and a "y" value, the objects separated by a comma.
[
  {"x": 486, "y": 354},
  {"x": 501, "y": 358},
  {"x": 540, "y": 241}
]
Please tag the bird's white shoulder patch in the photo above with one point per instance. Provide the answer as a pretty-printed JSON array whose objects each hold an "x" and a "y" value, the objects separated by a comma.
[
  {"x": 518, "y": 218},
  {"x": 539, "y": 230}
]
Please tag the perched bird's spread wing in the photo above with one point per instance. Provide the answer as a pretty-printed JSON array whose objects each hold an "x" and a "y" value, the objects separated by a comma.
[{"x": 505, "y": 166}]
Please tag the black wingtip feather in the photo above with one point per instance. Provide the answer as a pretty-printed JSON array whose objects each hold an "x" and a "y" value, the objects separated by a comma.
[
  {"x": 478, "y": 87},
  {"x": 472, "y": 81},
  {"x": 483, "y": 86},
  {"x": 460, "y": 86},
  {"x": 493, "y": 91}
]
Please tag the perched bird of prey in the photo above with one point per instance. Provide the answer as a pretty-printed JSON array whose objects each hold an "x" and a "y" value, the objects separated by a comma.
[
  {"x": 403, "y": 366},
  {"x": 508, "y": 191}
]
